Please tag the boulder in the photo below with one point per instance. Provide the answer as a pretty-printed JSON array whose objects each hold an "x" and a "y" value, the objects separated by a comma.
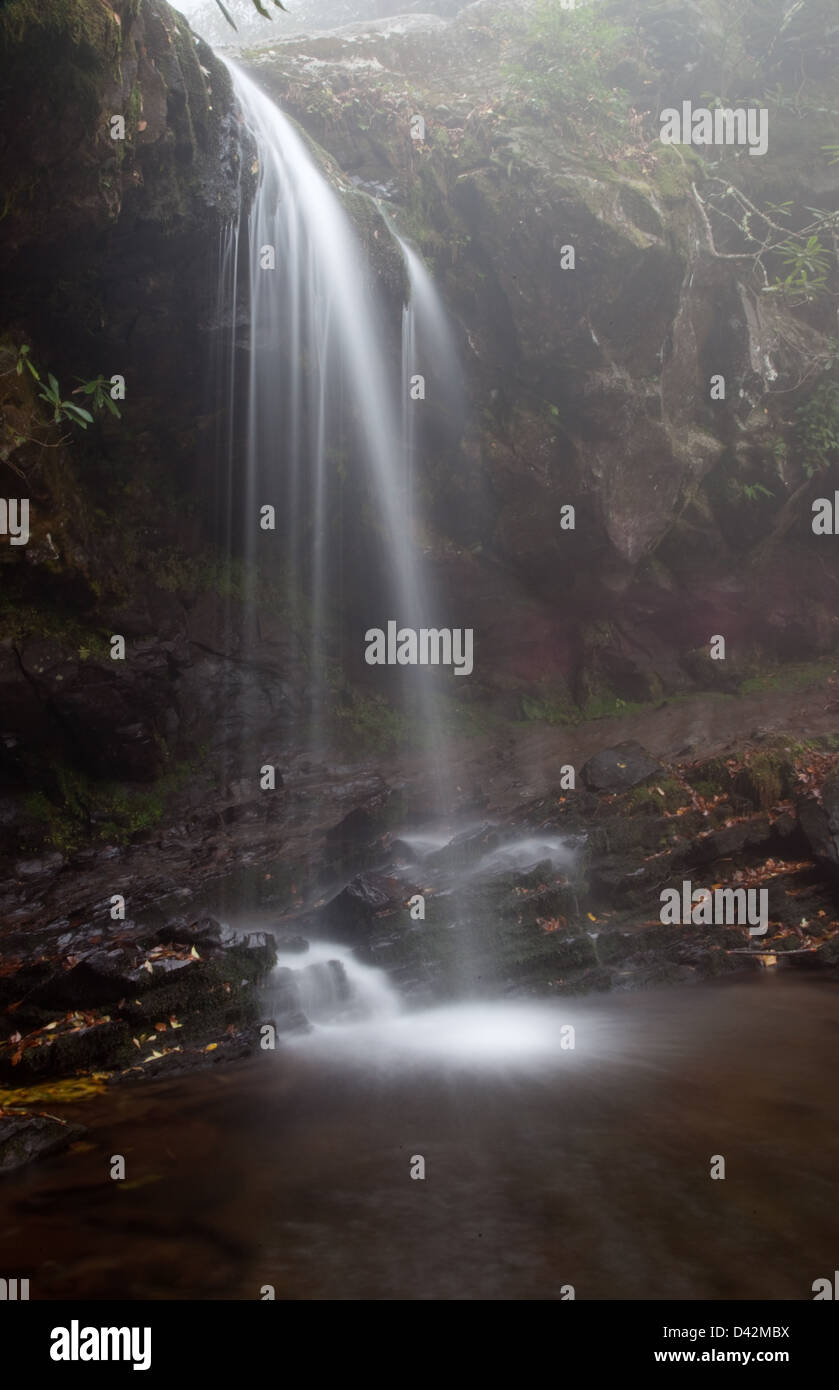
[
  {"x": 350, "y": 914},
  {"x": 616, "y": 769},
  {"x": 820, "y": 822},
  {"x": 27, "y": 1137}
]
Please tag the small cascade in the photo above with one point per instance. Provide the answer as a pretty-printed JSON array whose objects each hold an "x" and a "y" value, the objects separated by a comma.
[{"x": 334, "y": 988}]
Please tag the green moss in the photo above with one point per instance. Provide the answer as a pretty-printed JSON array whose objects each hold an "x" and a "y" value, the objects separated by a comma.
[
  {"x": 765, "y": 779},
  {"x": 797, "y": 676},
  {"x": 22, "y": 620},
  {"x": 82, "y": 811},
  {"x": 553, "y": 705},
  {"x": 75, "y": 41},
  {"x": 675, "y": 169},
  {"x": 563, "y": 67},
  {"x": 370, "y": 724},
  {"x": 606, "y": 705},
  {"x": 650, "y": 798}
]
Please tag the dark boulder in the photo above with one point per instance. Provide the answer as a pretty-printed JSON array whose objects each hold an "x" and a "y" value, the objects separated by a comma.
[
  {"x": 27, "y": 1137},
  {"x": 820, "y": 822},
  {"x": 616, "y": 769},
  {"x": 350, "y": 915}
]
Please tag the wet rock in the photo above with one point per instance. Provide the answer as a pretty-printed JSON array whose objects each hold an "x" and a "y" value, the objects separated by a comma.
[
  {"x": 616, "y": 769},
  {"x": 619, "y": 882},
  {"x": 819, "y": 821},
  {"x": 402, "y": 851},
  {"x": 350, "y": 915},
  {"x": 104, "y": 1044},
  {"x": 288, "y": 944},
  {"x": 24, "y": 1138},
  {"x": 204, "y": 931},
  {"x": 358, "y": 828},
  {"x": 465, "y": 849},
  {"x": 101, "y": 978},
  {"x": 36, "y": 868},
  {"x": 747, "y": 836}
]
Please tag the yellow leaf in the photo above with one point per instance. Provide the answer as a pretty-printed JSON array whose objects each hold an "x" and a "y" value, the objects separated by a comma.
[
  {"x": 211, "y": 1047},
  {"x": 139, "y": 1182},
  {"x": 147, "y": 966},
  {"x": 591, "y": 917},
  {"x": 68, "y": 1091},
  {"x": 194, "y": 954}
]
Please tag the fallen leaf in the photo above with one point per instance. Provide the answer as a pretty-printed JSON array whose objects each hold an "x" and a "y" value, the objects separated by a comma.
[{"x": 139, "y": 1182}]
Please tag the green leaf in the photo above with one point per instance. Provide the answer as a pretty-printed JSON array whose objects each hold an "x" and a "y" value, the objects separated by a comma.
[
  {"x": 112, "y": 405},
  {"x": 227, "y": 15},
  {"x": 75, "y": 412}
]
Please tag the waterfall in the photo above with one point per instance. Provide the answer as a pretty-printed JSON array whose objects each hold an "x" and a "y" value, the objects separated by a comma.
[
  {"x": 409, "y": 415},
  {"x": 431, "y": 341},
  {"x": 311, "y": 377},
  {"x": 316, "y": 400}
]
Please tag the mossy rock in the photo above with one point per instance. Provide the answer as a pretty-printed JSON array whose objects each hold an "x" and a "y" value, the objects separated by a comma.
[{"x": 766, "y": 779}]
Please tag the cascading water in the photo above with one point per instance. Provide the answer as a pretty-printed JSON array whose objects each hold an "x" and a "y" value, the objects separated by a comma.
[
  {"x": 430, "y": 339},
  {"x": 312, "y": 386},
  {"x": 334, "y": 988},
  {"x": 314, "y": 397},
  {"x": 316, "y": 391}
]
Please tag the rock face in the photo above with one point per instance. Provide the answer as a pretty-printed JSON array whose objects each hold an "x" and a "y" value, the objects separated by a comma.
[
  {"x": 591, "y": 382},
  {"x": 587, "y": 387},
  {"x": 108, "y": 264}
]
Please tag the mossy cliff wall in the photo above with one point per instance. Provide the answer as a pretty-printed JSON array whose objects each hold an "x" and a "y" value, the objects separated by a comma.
[{"x": 109, "y": 264}]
